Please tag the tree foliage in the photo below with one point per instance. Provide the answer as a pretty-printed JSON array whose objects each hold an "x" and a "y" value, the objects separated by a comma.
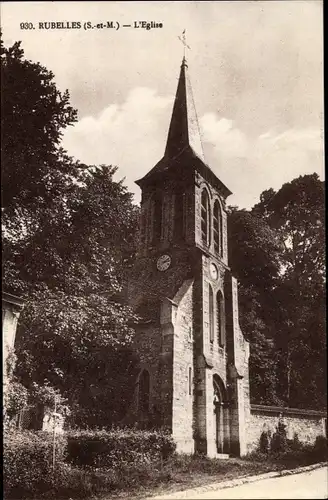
[
  {"x": 297, "y": 213},
  {"x": 68, "y": 243},
  {"x": 277, "y": 253},
  {"x": 254, "y": 252},
  {"x": 75, "y": 325},
  {"x": 34, "y": 114}
]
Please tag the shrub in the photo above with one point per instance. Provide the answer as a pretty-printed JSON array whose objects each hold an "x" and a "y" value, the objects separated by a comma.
[
  {"x": 279, "y": 443},
  {"x": 15, "y": 398},
  {"x": 109, "y": 460},
  {"x": 71, "y": 482},
  {"x": 320, "y": 449},
  {"x": 85, "y": 482},
  {"x": 257, "y": 456},
  {"x": 289, "y": 451},
  {"x": 295, "y": 444},
  {"x": 265, "y": 440},
  {"x": 28, "y": 461},
  {"x": 118, "y": 447}
]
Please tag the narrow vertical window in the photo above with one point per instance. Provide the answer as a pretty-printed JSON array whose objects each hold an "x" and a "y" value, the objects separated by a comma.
[
  {"x": 158, "y": 209},
  {"x": 211, "y": 313},
  {"x": 189, "y": 381},
  {"x": 144, "y": 386},
  {"x": 219, "y": 319},
  {"x": 179, "y": 216},
  {"x": 143, "y": 226},
  {"x": 217, "y": 228},
  {"x": 205, "y": 216}
]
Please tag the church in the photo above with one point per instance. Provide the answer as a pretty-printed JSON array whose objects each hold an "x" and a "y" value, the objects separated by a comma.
[{"x": 193, "y": 376}]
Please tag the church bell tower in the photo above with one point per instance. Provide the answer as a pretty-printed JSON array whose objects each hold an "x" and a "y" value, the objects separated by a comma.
[{"x": 193, "y": 374}]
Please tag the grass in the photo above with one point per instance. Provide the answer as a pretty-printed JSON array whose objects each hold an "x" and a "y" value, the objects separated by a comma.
[
  {"x": 184, "y": 472},
  {"x": 180, "y": 472}
]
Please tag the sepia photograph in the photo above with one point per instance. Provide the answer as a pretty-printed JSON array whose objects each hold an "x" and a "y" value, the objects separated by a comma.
[{"x": 163, "y": 250}]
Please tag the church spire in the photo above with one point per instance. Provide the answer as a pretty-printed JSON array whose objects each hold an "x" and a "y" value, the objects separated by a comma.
[{"x": 184, "y": 130}]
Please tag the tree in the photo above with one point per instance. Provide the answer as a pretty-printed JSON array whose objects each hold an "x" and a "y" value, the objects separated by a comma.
[
  {"x": 75, "y": 310},
  {"x": 277, "y": 252},
  {"x": 263, "y": 360},
  {"x": 68, "y": 243},
  {"x": 35, "y": 169},
  {"x": 254, "y": 250},
  {"x": 296, "y": 212},
  {"x": 254, "y": 256}
]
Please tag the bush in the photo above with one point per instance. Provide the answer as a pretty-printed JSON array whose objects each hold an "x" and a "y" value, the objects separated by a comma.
[
  {"x": 295, "y": 444},
  {"x": 14, "y": 400},
  {"x": 265, "y": 440},
  {"x": 109, "y": 460},
  {"x": 28, "y": 461},
  {"x": 257, "y": 456},
  {"x": 74, "y": 482},
  {"x": 118, "y": 447},
  {"x": 279, "y": 443},
  {"x": 320, "y": 449},
  {"x": 289, "y": 451}
]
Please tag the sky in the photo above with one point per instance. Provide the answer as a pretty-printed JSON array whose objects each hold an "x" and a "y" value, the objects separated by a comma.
[{"x": 256, "y": 69}]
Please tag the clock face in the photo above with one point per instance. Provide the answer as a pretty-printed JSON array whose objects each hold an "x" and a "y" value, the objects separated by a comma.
[
  {"x": 163, "y": 262},
  {"x": 214, "y": 271}
]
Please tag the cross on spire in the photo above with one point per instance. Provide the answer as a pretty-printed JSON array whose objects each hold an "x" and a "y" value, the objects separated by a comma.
[{"x": 184, "y": 43}]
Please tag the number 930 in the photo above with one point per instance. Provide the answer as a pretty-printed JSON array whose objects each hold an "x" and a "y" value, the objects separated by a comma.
[{"x": 26, "y": 26}]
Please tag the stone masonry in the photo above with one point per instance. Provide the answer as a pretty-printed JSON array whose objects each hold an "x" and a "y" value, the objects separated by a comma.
[
  {"x": 193, "y": 374},
  {"x": 11, "y": 309},
  {"x": 307, "y": 424}
]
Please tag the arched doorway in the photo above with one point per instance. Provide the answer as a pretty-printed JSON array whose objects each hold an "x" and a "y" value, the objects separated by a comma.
[{"x": 221, "y": 416}]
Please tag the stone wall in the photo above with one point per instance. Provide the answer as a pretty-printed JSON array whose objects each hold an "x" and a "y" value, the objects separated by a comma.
[
  {"x": 166, "y": 352},
  {"x": 183, "y": 369},
  {"x": 11, "y": 308},
  {"x": 153, "y": 358},
  {"x": 307, "y": 424},
  {"x": 213, "y": 361},
  {"x": 238, "y": 356}
]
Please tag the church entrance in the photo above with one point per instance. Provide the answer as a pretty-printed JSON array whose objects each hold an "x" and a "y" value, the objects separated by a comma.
[{"x": 220, "y": 416}]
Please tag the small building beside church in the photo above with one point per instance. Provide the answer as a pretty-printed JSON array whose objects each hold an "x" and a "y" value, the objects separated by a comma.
[
  {"x": 193, "y": 356},
  {"x": 11, "y": 309}
]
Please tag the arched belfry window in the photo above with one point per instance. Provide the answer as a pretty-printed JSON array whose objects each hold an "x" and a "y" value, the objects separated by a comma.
[
  {"x": 220, "y": 318},
  {"x": 217, "y": 228},
  {"x": 157, "y": 221},
  {"x": 144, "y": 389},
  {"x": 179, "y": 215},
  {"x": 205, "y": 217},
  {"x": 211, "y": 312}
]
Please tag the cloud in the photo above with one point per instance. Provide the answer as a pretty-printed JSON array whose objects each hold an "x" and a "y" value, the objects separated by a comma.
[
  {"x": 132, "y": 135},
  {"x": 229, "y": 141},
  {"x": 310, "y": 138},
  {"x": 129, "y": 135},
  {"x": 290, "y": 153},
  {"x": 249, "y": 165}
]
